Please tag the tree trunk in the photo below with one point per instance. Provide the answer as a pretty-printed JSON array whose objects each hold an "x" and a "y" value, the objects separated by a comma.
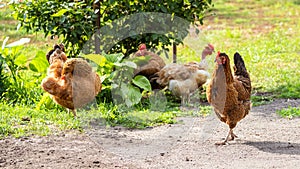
[{"x": 174, "y": 52}]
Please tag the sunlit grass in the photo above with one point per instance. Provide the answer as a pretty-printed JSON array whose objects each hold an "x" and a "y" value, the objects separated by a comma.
[
  {"x": 290, "y": 112},
  {"x": 20, "y": 121}
]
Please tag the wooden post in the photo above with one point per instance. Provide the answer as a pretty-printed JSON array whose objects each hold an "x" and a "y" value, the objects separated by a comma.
[{"x": 174, "y": 52}]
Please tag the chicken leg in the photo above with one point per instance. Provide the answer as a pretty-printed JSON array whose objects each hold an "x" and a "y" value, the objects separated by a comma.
[
  {"x": 229, "y": 137},
  {"x": 73, "y": 111}
]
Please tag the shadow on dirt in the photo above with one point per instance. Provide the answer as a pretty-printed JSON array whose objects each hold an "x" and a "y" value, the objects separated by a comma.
[{"x": 276, "y": 147}]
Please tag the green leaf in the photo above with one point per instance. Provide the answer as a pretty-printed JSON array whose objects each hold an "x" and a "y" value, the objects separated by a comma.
[
  {"x": 21, "y": 60},
  {"x": 98, "y": 59},
  {"x": 142, "y": 82},
  {"x": 60, "y": 13},
  {"x": 114, "y": 58},
  {"x": 187, "y": 2},
  {"x": 131, "y": 94},
  {"x": 134, "y": 95},
  {"x": 39, "y": 63}
]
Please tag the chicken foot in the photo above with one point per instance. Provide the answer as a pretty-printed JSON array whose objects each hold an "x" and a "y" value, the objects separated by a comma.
[
  {"x": 73, "y": 111},
  {"x": 229, "y": 137}
]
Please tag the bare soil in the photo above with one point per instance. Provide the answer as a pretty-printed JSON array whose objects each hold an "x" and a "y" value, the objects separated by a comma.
[{"x": 265, "y": 141}]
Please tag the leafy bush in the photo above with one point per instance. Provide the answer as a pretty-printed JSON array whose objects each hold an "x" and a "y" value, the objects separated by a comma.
[
  {"x": 21, "y": 82},
  {"x": 119, "y": 83},
  {"x": 77, "y": 21},
  {"x": 72, "y": 20}
]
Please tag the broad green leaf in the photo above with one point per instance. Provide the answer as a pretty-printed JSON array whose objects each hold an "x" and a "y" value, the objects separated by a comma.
[
  {"x": 98, "y": 59},
  {"x": 142, "y": 82},
  {"x": 134, "y": 94},
  {"x": 39, "y": 63},
  {"x": 125, "y": 94},
  {"x": 60, "y": 13},
  {"x": 131, "y": 94},
  {"x": 114, "y": 58},
  {"x": 20, "y": 60}
]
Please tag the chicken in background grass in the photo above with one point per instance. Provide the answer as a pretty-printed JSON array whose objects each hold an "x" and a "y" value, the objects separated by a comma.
[
  {"x": 151, "y": 67},
  {"x": 229, "y": 94},
  {"x": 184, "y": 79},
  {"x": 71, "y": 83}
]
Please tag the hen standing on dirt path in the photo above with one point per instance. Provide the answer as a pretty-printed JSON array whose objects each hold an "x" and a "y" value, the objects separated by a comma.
[{"x": 230, "y": 95}]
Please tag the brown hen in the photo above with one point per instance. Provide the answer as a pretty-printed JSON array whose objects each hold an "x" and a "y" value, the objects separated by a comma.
[
  {"x": 150, "y": 67},
  {"x": 229, "y": 94},
  {"x": 73, "y": 85}
]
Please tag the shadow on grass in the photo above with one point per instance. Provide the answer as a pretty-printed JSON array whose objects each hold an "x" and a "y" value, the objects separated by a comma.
[{"x": 276, "y": 147}]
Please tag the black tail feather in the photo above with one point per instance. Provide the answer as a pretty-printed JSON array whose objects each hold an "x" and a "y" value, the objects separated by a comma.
[{"x": 240, "y": 68}]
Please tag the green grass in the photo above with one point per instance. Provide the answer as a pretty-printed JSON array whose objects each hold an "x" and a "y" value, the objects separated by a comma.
[
  {"x": 289, "y": 112},
  {"x": 261, "y": 100},
  {"x": 21, "y": 121}
]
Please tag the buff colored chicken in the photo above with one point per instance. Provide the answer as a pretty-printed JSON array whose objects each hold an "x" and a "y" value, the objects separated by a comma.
[
  {"x": 183, "y": 80},
  {"x": 71, "y": 83},
  {"x": 229, "y": 94}
]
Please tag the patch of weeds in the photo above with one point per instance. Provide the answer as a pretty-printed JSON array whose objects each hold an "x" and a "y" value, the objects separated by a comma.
[
  {"x": 290, "y": 90},
  {"x": 289, "y": 112},
  {"x": 261, "y": 100},
  {"x": 146, "y": 118}
]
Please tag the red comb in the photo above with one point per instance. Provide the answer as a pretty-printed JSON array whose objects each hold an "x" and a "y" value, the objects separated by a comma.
[
  {"x": 211, "y": 46},
  {"x": 219, "y": 53},
  {"x": 142, "y": 46}
]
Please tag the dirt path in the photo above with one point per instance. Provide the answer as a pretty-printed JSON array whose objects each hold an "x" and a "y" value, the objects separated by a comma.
[{"x": 265, "y": 141}]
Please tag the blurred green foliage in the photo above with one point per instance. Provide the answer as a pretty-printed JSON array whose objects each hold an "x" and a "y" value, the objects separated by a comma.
[{"x": 77, "y": 21}]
